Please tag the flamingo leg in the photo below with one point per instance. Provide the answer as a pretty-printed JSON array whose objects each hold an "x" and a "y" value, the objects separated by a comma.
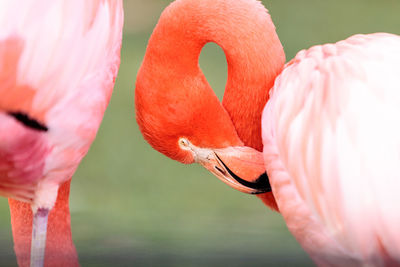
[{"x": 39, "y": 230}]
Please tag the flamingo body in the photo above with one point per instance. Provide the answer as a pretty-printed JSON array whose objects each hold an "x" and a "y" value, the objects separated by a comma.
[
  {"x": 40, "y": 77},
  {"x": 331, "y": 146},
  {"x": 58, "y": 63}
]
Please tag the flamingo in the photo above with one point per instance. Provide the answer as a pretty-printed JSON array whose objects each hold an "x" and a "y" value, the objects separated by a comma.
[
  {"x": 58, "y": 63},
  {"x": 189, "y": 116},
  {"x": 330, "y": 146},
  {"x": 333, "y": 157}
]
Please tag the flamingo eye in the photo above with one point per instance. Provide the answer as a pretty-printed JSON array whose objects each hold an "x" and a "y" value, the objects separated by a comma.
[
  {"x": 184, "y": 143},
  {"x": 28, "y": 121}
]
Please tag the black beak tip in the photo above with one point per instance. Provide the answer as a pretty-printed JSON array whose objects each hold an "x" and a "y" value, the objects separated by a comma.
[
  {"x": 260, "y": 185},
  {"x": 261, "y": 191}
]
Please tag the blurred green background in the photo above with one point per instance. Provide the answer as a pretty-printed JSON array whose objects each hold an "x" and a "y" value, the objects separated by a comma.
[{"x": 131, "y": 205}]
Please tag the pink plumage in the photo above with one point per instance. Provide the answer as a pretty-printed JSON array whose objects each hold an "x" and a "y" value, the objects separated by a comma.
[
  {"x": 331, "y": 134},
  {"x": 21, "y": 159},
  {"x": 58, "y": 63}
]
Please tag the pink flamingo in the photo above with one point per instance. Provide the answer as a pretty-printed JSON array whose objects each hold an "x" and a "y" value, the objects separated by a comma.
[
  {"x": 331, "y": 146},
  {"x": 330, "y": 134},
  {"x": 58, "y": 63}
]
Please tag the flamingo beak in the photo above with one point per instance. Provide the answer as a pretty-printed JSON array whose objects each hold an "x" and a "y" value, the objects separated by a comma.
[{"x": 239, "y": 167}]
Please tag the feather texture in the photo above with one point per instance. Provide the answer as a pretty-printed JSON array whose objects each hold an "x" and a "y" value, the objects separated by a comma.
[
  {"x": 58, "y": 63},
  {"x": 332, "y": 149}
]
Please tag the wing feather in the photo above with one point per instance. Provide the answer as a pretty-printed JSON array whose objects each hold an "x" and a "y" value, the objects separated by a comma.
[{"x": 334, "y": 117}]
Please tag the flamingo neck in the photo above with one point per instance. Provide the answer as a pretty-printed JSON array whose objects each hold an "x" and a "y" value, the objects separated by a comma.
[
  {"x": 244, "y": 30},
  {"x": 173, "y": 98},
  {"x": 251, "y": 74},
  {"x": 60, "y": 250}
]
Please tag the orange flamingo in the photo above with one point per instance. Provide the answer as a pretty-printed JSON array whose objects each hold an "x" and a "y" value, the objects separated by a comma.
[
  {"x": 180, "y": 116},
  {"x": 189, "y": 116},
  {"x": 58, "y": 63}
]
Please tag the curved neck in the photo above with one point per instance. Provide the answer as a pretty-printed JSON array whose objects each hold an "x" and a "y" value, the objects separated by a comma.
[
  {"x": 60, "y": 250},
  {"x": 244, "y": 30}
]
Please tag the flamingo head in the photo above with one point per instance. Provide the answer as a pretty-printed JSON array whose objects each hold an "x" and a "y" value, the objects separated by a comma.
[{"x": 184, "y": 120}]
